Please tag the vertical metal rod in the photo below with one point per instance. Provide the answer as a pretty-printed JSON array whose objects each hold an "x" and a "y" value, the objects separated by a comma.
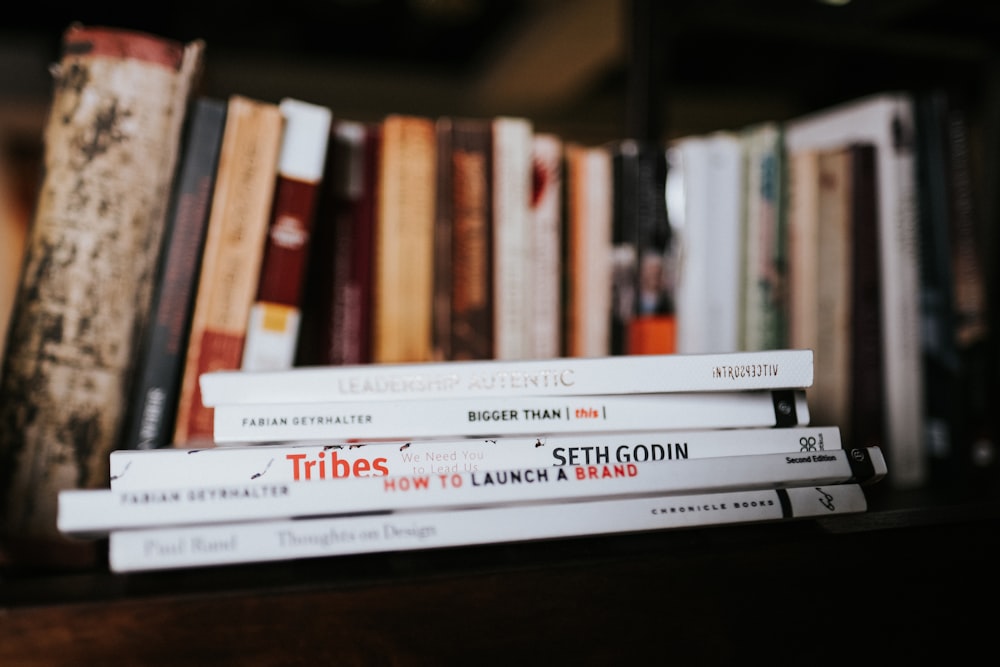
[{"x": 645, "y": 70}]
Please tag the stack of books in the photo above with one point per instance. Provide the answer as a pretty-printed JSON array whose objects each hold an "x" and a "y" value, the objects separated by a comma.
[{"x": 320, "y": 461}]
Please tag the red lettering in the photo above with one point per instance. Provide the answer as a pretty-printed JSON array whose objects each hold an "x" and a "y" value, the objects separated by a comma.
[{"x": 295, "y": 458}]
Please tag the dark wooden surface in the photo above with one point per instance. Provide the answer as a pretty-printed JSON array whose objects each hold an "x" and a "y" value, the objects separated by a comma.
[{"x": 895, "y": 584}]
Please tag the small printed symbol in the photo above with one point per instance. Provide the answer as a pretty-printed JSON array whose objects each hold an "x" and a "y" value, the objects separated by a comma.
[
  {"x": 261, "y": 473},
  {"x": 825, "y": 499},
  {"x": 784, "y": 407},
  {"x": 539, "y": 443},
  {"x": 122, "y": 473},
  {"x": 858, "y": 454}
]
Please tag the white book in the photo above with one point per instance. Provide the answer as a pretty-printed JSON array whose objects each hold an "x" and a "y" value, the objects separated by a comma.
[
  {"x": 96, "y": 512},
  {"x": 512, "y": 237},
  {"x": 635, "y": 374},
  {"x": 589, "y": 212},
  {"x": 546, "y": 249},
  {"x": 310, "y": 461},
  {"x": 519, "y": 415},
  {"x": 281, "y": 540},
  {"x": 887, "y": 120},
  {"x": 704, "y": 193}
]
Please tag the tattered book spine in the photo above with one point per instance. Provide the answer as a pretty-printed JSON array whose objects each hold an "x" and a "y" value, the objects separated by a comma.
[{"x": 111, "y": 145}]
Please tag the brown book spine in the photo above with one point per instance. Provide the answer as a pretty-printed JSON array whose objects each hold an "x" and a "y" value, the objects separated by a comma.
[
  {"x": 336, "y": 316},
  {"x": 111, "y": 146},
  {"x": 404, "y": 241},
  {"x": 471, "y": 263},
  {"x": 867, "y": 395},
  {"x": 231, "y": 260}
]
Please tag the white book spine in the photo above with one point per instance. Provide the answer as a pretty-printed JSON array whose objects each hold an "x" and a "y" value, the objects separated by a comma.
[
  {"x": 146, "y": 469},
  {"x": 489, "y": 417},
  {"x": 95, "y": 512},
  {"x": 262, "y": 541},
  {"x": 636, "y": 374},
  {"x": 705, "y": 185},
  {"x": 546, "y": 257},
  {"x": 512, "y": 237}
]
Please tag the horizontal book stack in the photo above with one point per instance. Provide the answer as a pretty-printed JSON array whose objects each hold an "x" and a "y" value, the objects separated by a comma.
[{"x": 330, "y": 460}]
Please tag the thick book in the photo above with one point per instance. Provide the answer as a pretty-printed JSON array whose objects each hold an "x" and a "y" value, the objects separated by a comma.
[
  {"x": 705, "y": 204},
  {"x": 403, "y": 299},
  {"x": 887, "y": 121},
  {"x": 470, "y": 266},
  {"x": 731, "y": 371},
  {"x": 337, "y": 301},
  {"x": 444, "y": 220},
  {"x": 763, "y": 305},
  {"x": 587, "y": 250},
  {"x": 546, "y": 266},
  {"x": 309, "y": 461},
  {"x": 830, "y": 394},
  {"x": 273, "y": 328},
  {"x": 513, "y": 243},
  {"x": 96, "y": 512},
  {"x": 518, "y": 415},
  {"x": 111, "y": 143},
  {"x": 150, "y": 421},
  {"x": 290, "y": 539},
  {"x": 231, "y": 258}
]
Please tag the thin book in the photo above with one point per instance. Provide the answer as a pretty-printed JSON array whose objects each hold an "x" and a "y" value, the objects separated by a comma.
[
  {"x": 311, "y": 461},
  {"x": 289, "y": 539},
  {"x": 488, "y": 417},
  {"x": 97, "y": 512},
  {"x": 568, "y": 376}
]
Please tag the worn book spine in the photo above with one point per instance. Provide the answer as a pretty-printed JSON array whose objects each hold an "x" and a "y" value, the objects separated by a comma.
[
  {"x": 444, "y": 227},
  {"x": 231, "y": 260},
  {"x": 660, "y": 373},
  {"x": 150, "y": 422},
  {"x": 274, "y": 323},
  {"x": 263, "y": 541},
  {"x": 490, "y": 417},
  {"x": 830, "y": 395},
  {"x": 803, "y": 247},
  {"x": 309, "y": 461},
  {"x": 404, "y": 241},
  {"x": 110, "y": 151},
  {"x": 96, "y": 512},
  {"x": 472, "y": 245}
]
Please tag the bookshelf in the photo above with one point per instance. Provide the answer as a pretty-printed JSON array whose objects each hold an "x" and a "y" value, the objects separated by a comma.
[{"x": 907, "y": 574}]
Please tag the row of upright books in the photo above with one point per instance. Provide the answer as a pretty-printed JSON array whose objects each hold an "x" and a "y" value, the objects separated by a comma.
[{"x": 312, "y": 462}]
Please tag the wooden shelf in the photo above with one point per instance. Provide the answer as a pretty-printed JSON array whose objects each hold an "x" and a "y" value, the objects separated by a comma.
[{"x": 901, "y": 581}]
